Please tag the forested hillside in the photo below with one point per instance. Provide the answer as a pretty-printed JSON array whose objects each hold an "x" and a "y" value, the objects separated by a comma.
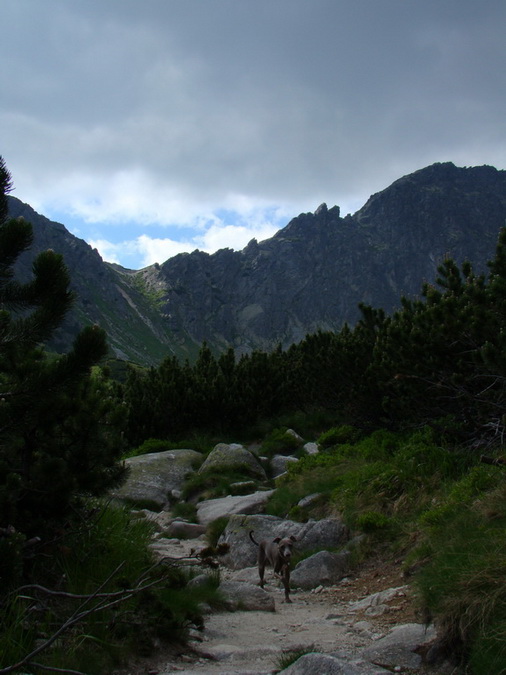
[{"x": 441, "y": 356}]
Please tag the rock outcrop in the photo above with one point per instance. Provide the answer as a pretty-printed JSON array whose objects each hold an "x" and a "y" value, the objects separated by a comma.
[{"x": 154, "y": 476}]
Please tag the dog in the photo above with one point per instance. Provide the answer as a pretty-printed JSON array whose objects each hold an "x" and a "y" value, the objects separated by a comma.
[{"x": 278, "y": 554}]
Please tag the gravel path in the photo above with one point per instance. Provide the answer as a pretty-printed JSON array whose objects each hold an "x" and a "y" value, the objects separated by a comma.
[{"x": 252, "y": 642}]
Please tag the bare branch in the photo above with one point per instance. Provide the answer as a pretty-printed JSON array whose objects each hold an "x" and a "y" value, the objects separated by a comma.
[{"x": 77, "y": 616}]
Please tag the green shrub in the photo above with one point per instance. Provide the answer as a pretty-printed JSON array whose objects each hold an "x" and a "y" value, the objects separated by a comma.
[
  {"x": 463, "y": 585},
  {"x": 150, "y": 446},
  {"x": 372, "y": 521},
  {"x": 283, "y": 500},
  {"x": 185, "y": 510},
  {"x": 289, "y": 657},
  {"x": 338, "y": 435},
  {"x": 380, "y": 445},
  {"x": 279, "y": 442},
  {"x": 477, "y": 482},
  {"x": 109, "y": 553},
  {"x": 213, "y": 483},
  {"x": 215, "y": 529}
]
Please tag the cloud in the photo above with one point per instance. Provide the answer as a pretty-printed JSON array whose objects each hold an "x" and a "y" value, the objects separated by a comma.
[
  {"x": 149, "y": 250},
  {"x": 170, "y": 113}
]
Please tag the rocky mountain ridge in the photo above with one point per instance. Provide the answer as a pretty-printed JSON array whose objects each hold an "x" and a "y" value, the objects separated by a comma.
[{"x": 310, "y": 275}]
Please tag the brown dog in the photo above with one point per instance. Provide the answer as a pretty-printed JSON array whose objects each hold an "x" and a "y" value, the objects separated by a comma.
[{"x": 278, "y": 554}]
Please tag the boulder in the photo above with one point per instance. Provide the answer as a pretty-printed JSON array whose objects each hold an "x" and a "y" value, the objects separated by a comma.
[
  {"x": 279, "y": 464},
  {"x": 182, "y": 529},
  {"x": 396, "y": 650},
  {"x": 311, "y": 536},
  {"x": 155, "y": 475},
  {"x": 233, "y": 456},
  {"x": 246, "y": 596},
  {"x": 321, "y": 569},
  {"x": 309, "y": 500},
  {"x": 211, "y": 509},
  {"x": 378, "y": 599},
  {"x": 327, "y": 664},
  {"x": 311, "y": 448},
  {"x": 248, "y": 574}
]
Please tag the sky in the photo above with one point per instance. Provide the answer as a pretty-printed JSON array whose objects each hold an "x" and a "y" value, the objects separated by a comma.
[{"x": 153, "y": 127}]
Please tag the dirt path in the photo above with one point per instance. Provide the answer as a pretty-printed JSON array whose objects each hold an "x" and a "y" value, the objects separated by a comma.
[{"x": 252, "y": 642}]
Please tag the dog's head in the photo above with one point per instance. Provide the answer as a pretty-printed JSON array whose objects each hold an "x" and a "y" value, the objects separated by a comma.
[{"x": 285, "y": 546}]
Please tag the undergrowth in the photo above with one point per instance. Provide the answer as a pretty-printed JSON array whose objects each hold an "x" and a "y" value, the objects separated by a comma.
[
  {"x": 100, "y": 587},
  {"x": 212, "y": 483},
  {"x": 438, "y": 507}
]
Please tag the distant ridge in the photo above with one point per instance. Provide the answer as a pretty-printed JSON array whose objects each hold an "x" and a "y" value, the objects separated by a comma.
[{"x": 310, "y": 275}]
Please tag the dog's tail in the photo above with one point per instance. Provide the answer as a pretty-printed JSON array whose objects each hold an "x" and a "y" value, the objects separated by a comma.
[{"x": 252, "y": 538}]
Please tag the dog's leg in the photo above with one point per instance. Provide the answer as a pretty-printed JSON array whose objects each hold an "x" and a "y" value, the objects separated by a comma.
[
  {"x": 286, "y": 582},
  {"x": 261, "y": 565}
]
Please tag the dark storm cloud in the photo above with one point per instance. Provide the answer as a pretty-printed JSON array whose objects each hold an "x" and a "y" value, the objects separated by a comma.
[{"x": 169, "y": 107}]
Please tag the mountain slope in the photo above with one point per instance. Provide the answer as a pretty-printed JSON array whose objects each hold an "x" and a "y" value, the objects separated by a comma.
[
  {"x": 313, "y": 273},
  {"x": 105, "y": 294},
  {"x": 310, "y": 275}
]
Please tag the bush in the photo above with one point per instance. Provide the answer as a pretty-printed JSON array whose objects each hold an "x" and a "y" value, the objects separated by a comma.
[
  {"x": 109, "y": 554},
  {"x": 463, "y": 587},
  {"x": 215, "y": 529},
  {"x": 151, "y": 445},
  {"x": 338, "y": 435},
  {"x": 372, "y": 521},
  {"x": 213, "y": 483},
  {"x": 279, "y": 442},
  {"x": 185, "y": 510}
]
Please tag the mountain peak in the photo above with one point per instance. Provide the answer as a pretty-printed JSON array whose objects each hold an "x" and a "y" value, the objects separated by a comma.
[{"x": 310, "y": 276}]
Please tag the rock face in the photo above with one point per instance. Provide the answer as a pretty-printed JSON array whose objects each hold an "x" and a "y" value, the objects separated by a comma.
[
  {"x": 321, "y": 266},
  {"x": 153, "y": 476},
  {"x": 318, "y": 268},
  {"x": 134, "y": 325}
]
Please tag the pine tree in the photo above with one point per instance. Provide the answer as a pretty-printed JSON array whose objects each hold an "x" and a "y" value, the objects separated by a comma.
[{"x": 58, "y": 426}]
